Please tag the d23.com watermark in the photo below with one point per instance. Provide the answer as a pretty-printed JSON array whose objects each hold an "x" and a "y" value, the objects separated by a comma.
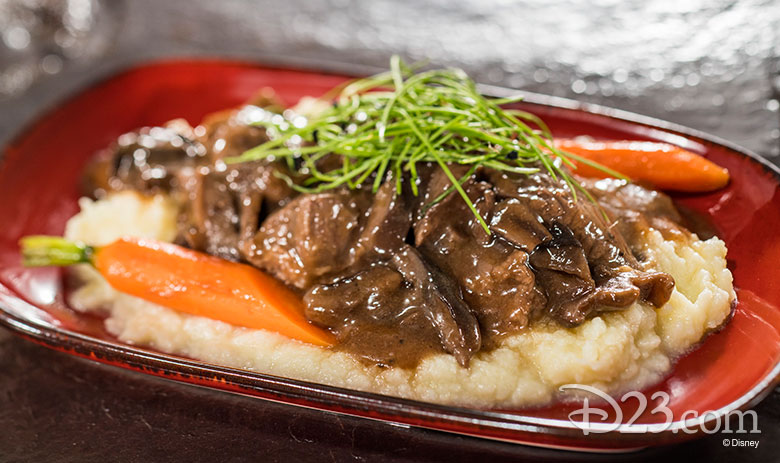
[{"x": 594, "y": 420}]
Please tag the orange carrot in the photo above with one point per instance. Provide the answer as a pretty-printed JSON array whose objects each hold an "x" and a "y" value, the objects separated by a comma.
[
  {"x": 664, "y": 166},
  {"x": 186, "y": 281}
]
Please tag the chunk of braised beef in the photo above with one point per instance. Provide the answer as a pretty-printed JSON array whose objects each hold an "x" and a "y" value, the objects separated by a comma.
[
  {"x": 393, "y": 305},
  {"x": 311, "y": 236},
  {"x": 496, "y": 282},
  {"x": 431, "y": 200},
  {"x": 563, "y": 273},
  {"x": 581, "y": 264},
  {"x": 222, "y": 208},
  {"x": 561, "y": 253},
  {"x": 551, "y": 201},
  {"x": 396, "y": 310},
  {"x": 367, "y": 311},
  {"x": 634, "y": 209},
  {"x": 230, "y": 133},
  {"x": 150, "y": 160},
  {"x": 439, "y": 297},
  {"x": 573, "y": 300},
  {"x": 518, "y": 224},
  {"x": 386, "y": 225}
]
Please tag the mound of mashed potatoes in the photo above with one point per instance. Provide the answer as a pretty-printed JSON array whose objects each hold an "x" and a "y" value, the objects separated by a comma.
[{"x": 615, "y": 351}]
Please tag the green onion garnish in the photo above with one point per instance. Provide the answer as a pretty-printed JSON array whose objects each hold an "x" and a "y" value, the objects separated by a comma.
[{"x": 386, "y": 124}]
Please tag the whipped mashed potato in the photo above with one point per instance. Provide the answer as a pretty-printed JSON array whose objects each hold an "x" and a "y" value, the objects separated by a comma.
[{"x": 614, "y": 351}]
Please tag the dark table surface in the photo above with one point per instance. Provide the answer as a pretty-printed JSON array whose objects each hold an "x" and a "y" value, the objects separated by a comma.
[
  {"x": 54, "y": 407},
  {"x": 714, "y": 68}
]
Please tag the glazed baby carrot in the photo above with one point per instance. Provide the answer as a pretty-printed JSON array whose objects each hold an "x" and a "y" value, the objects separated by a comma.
[
  {"x": 664, "y": 166},
  {"x": 186, "y": 281}
]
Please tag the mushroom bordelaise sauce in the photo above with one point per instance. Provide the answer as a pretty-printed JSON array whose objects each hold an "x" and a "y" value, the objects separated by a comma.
[{"x": 443, "y": 245}]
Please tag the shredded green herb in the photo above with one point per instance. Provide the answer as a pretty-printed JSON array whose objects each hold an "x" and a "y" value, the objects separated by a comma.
[{"x": 388, "y": 123}]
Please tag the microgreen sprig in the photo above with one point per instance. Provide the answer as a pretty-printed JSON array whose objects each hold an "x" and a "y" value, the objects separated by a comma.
[{"x": 388, "y": 123}]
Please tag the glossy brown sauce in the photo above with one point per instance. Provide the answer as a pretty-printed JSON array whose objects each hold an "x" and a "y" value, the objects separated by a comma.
[
  {"x": 392, "y": 276},
  {"x": 697, "y": 222}
]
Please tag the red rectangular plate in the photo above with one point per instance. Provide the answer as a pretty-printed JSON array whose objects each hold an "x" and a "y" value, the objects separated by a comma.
[{"x": 39, "y": 176}]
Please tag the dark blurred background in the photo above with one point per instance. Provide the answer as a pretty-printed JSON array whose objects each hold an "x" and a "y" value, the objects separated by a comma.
[{"x": 711, "y": 65}]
